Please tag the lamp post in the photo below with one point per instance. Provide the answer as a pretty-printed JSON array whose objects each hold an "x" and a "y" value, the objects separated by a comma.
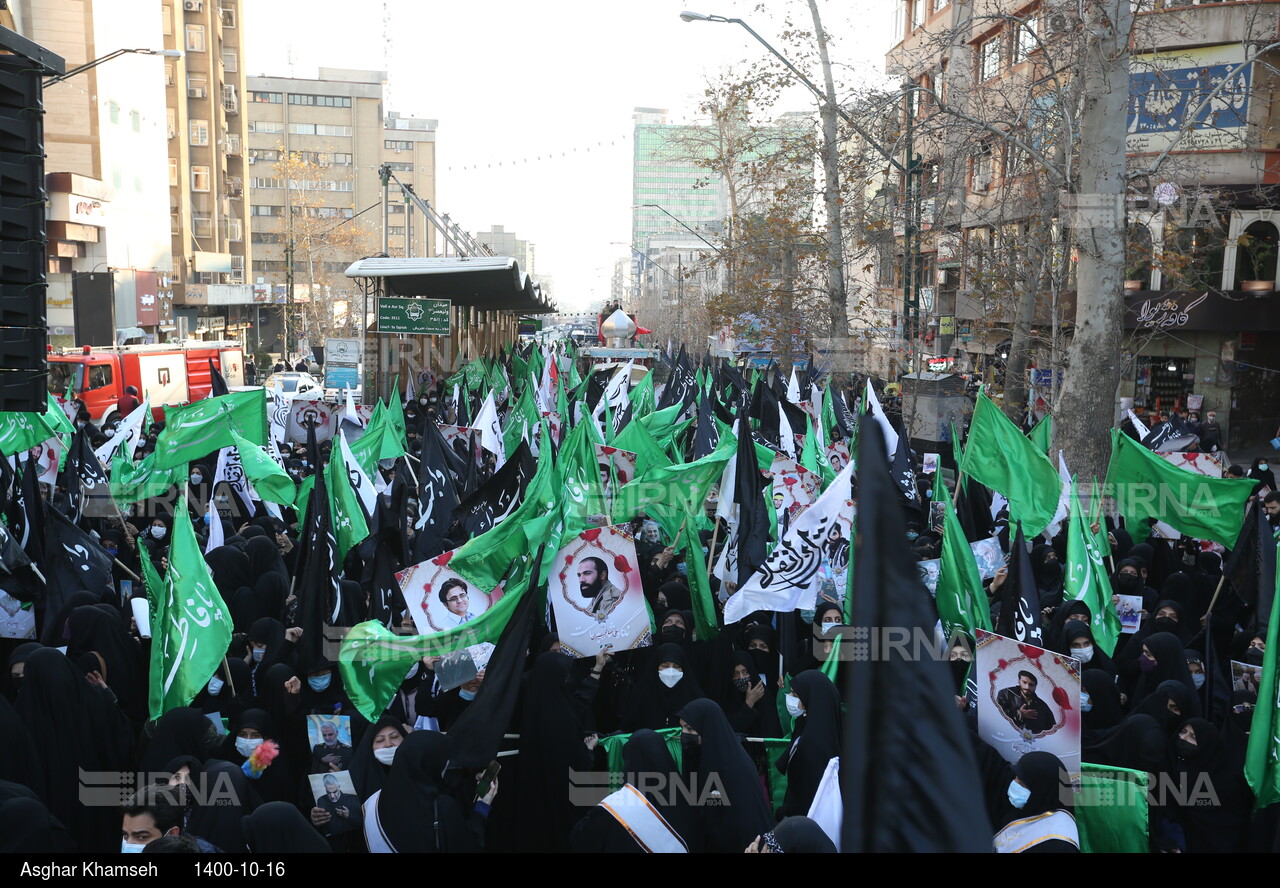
[
  {"x": 80, "y": 69},
  {"x": 831, "y": 159}
]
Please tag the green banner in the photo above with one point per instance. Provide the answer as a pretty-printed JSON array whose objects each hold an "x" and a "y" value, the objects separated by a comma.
[{"x": 421, "y": 317}]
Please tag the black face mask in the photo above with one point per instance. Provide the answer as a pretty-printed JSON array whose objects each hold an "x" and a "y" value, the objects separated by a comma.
[
  {"x": 742, "y": 684},
  {"x": 1253, "y": 656},
  {"x": 1052, "y": 574},
  {"x": 672, "y": 634},
  {"x": 1186, "y": 751},
  {"x": 959, "y": 672},
  {"x": 1166, "y": 624},
  {"x": 763, "y": 660},
  {"x": 1128, "y": 582},
  {"x": 689, "y": 743}
]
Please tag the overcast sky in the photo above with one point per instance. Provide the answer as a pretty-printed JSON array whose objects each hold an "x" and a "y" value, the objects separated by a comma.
[{"x": 512, "y": 81}]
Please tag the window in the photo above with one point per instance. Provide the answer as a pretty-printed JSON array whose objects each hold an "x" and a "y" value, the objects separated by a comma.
[
  {"x": 200, "y": 178},
  {"x": 325, "y": 130},
  {"x": 266, "y": 182},
  {"x": 199, "y": 132},
  {"x": 173, "y": 172},
  {"x": 900, "y": 19},
  {"x": 113, "y": 111},
  {"x": 197, "y": 86},
  {"x": 265, "y": 209},
  {"x": 302, "y": 129},
  {"x": 230, "y": 61},
  {"x": 400, "y": 167},
  {"x": 1026, "y": 42},
  {"x": 171, "y": 121},
  {"x": 989, "y": 58},
  {"x": 395, "y": 230},
  {"x": 396, "y": 209},
  {"x": 99, "y": 376},
  {"x": 195, "y": 38},
  {"x": 320, "y": 101},
  {"x": 235, "y": 187},
  {"x": 266, "y": 126},
  {"x": 166, "y": 21},
  {"x": 228, "y": 17},
  {"x": 917, "y": 14},
  {"x": 270, "y": 98},
  {"x": 232, "y": 229},
  {"x": 168, "y": 75},
  {"x": 230, "y": 99},
  {"x": 233, "y": 144},
  {"x": 982, "y": 169},
  {"x": 202, "y": 226},
  {"x": 237, "y": 268},
  {"x": 264, "y": 155},
  {"x": 393, "y": 144}
]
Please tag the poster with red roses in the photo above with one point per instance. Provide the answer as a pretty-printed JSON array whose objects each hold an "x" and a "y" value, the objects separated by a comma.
[
  {"x": 595, "y": 593},
  {"x": 1028, "y": 700},
  {"x": 438, "y": 599}
]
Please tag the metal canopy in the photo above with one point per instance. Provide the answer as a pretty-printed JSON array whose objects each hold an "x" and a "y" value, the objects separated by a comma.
[{"x": 487, "y": 283}]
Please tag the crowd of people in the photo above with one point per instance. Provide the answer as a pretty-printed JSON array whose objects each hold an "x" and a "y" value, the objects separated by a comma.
[{"x": 682, "y": 724}]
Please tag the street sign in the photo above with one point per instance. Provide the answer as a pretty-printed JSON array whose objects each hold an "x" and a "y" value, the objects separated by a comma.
[
  {"x": 343, "y": 359},
  {"x": 420, "y": 317}
]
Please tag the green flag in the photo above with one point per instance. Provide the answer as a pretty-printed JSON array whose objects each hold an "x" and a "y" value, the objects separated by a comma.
[
  {"x": 961, "y": 600},
  {"x": 270, "y": 481},
  {"x": 638, "y": 440},
  {"x": 199, "y": 428},
  {"x": 190, "y": 624},
  {"x": 133, "y": 482},
  {"x": 1086, "y": 576},
  {"x": 1146, "y": 486},
  {"x": 21, "y": 431},
  {"x": 56, "y": 418},
  {"x": 1111, "y": 810},
  {"x": 379, "y": 441},
  {"x": 520, "y": 421},
  {"x": 642, "y": 400},
  {"x": 1262, "y": 760},
  {"x": 347, "y": 515},
  {"x": 1041, "y": 434},
  {"x": 395, "y": 411},
  {"x": 1001, "y": 457}
]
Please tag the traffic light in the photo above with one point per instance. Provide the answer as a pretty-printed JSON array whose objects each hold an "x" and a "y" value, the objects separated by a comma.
[{"x": 23, "y": 333}]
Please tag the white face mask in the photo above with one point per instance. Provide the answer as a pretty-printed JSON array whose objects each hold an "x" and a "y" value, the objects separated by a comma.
[
  {"x": 246, "y": 746},
  {"x": 158, "y": 532},
  {"x": 386, "y": 755},
  {"x": 1018, "y": 795},
  {"x": 127, "y": 847},
  {"x": 1084, "y": 654},
  {"x": 794, "y": 707},
  {"x": 670, "y": 677},
  {"x": 215, "y": 685}
]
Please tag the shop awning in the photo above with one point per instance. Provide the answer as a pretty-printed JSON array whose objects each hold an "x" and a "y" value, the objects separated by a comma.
[{"x": 486, "y": 283}]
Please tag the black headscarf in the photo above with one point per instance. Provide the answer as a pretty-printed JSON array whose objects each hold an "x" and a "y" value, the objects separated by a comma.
[
  {"x": 1067, "y": 611},
  {"x": 271, "y": 590},
  {"x": 1137, "y": 743},
  {"x": 215, "y": 814},
  {"x": 279, "y": 828},
  {"x": 414, "y": 800},
  {"x": 1105, "y": 709},
  {"x": 19, "y": 762},
  {"x": 367, "y": 773},
  {"x": 1171, "y": 663},
  {"x": 1044, "y": 774},
  {"x": 653, "y": 704},
  {"x": 817, "y": 740},
  {"x": 234, "y": 695},
  {"x": 1156, "y": 705},
  {"x": 27, "y": 827},
  {"x": 1076, "y": 630},
  {"x": 800, "y": 835},
  {"x": 230, "y": 569},
  {"x": 1212, "y": 771},
  {"x": 183, "y": 731},
  {"x": 76, "y": 726},
  {"x": 745, "y": 811},
  {"x": 56, "y": 631},
  {"x": 19, "y": 655},
  {"x": 766, "y": 662}
]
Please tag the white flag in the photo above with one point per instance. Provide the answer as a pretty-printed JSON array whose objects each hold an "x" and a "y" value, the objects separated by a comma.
[
  {"x": 791, "y": 575},
  {"x": 793, "y": 388},
  {"x": 230, "y": 471},
  {"x": 785, "y": 433},
  {"x": 360, "y": 482},
  {"x": 877, "y": 413},
  {"x": 491, "y": 430},
  {"x": 1138, "y": 426},
  {"x": 351, "y": 414},
  {"x": 127, "y": 435},
  {"x": 217, "y": 537},
  {"x": 827, "y": 808}
]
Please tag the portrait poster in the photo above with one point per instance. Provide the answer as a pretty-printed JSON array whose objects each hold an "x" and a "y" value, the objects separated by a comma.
[
  {"x": 334, "y": 790},
  {"x": 330, "y": 739},
  {"x": 453, "y": 434},
  {"x": 929, "y": 464},
  {"x": 615, "y": 463},
  {"x": 1028, "y": 700},
  {"x": 17, "y": 619},
  {"x": 838, "y": 455},
  {"x": 1129, "y": 609},
  {"x": 438, "y": 599},
  {"x": 595, "y": 593},
  {"x": 795, "y": 488},
  {"x": 306, "y": 412},
  {"x": 989, "y": 555},
  {"x": 1245, "y": 677}
]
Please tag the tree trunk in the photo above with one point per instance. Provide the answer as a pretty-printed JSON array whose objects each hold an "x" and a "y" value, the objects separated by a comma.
[
  {"x": 1015, "y": 368},
  {"x": 837, "y": 298},
  {"x": 1086, "y": 405}
]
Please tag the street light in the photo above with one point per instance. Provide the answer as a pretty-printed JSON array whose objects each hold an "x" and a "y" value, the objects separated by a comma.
[
  {"x": 911, "y": 299},
  {"x": 67, "y": 75}
]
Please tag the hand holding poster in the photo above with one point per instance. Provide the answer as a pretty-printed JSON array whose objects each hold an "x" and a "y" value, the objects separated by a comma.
[
  {"x": 1028, "y": 700},
  {"x": 595, "y": 593}
]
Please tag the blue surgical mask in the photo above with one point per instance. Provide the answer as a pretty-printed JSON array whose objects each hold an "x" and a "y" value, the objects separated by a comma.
[
  {"x": 215, "y": 685},
  {"x": 1262, "y": 466},
  {"x": 257, "y": 653},
  {"x": 112, "y": 552},
  {"x": 467, "y": 695},
  {"x": 245, "y": 745},
  {"x": 1018, "y": 795},
  {"x": 1085, "y": 703},
  {"x": 319, "y": 682},
  {"x": 127, "y": 847},
  {"x": 1197, "y": 679}
]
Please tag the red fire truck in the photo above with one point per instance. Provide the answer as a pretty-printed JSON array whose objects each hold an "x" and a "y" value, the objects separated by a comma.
[{"x": 169, "y": 373}]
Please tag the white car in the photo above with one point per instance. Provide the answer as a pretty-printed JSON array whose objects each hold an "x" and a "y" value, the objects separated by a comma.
[{"x": 291, "y": 383}]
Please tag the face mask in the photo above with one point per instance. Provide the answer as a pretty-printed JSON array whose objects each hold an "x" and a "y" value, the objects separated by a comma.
[
  {"x": 912, "y": 536},
  {"x": 1197, "y": 679},
  {"x": 959, "y": 672},
  {"x": 689, "y": 742},
  {"x": 794, "y": 709},
  {"x": 1146, "y": 664},
  {"x": 257, "y": 654},
  {"x": 215, "y": 685},
  {"x": 1084, "y": 654},
  {"x": 158, "y": 532},
  {"x": 1086, "y": 704},
  {"x": 1052, "y": 572},
  {"x": 1262, "y": 467},
  {"x": 130, "y": 848},
  {"x": 112, "y": 552},
  {"x": 196, "y": 479},
  {"x": 319, "y": 682},
  {"x": 1166, "y": 624},
  {"x": 1253, "y": 656},
  {"x": 386, "y": 755},
  {"x": 245, "y": 746},
  {"x": 1018, "y": 794},
  {"x": 670, "y": 677},
  {"x": 742, "y": 684},
  {"x": 672, "y": 634},
  {"x": 1128, "y": 581},
  {"x": 1185, "y": 749},
  {"x": 467, "y": 695}
]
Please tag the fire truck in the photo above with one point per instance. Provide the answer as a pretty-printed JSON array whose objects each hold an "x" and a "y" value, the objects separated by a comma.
[{"x": 169, "y": 373}]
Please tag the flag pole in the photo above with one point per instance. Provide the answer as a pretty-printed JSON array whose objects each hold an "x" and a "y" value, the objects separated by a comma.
[
  {"x": 1223, "y": 578},
  {"x": 136, "y": 578},
  {"x": 227, "y": 668},
  {"x": 711, "y": 550}
]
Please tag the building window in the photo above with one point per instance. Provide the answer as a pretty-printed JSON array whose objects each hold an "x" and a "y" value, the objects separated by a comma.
[
  {"x": 326, "y": 130},
  {"x": 395, "y": 230},
  {"x": 166, "y": 21},
  {"x": 263, "y": 155},
  {"x": 396, "y": 209},
  {"x": 982, "y": 170},
  {"x": 1026, "y": 43},
  {"x": 195, "y": 38},
  {"x": 202, "y": 226},
  {"x": 168, "y": 75},
  {"x": 113, "y": 111},
  {"x": 265, "y": 209},
  {"x": 230, "y": 61},
  {"x": 200, "y": 178},
  {"x": 199, "y": 132},
  {"x": 197, "y": 86},
  {"x": 232, "y": 229},
  {"x": 228, "y": 17},
  {"x": 400, "y": 167},
  {"x": 266, "y": 126},
  {"x": 171, "y": 121},
  {"x": 989, "y": 58},
  {"x": 397, "y": 145},
  {"x": 173, "y": 172},
  {"x": 233, "y": 144},
  {"x": 237, "y": 266},
  {"x": 269, "y": 98},
  {"x": 302, "y": 129},
  {"x": 320, "y": 101},
  {"x": 266, "y": 182},
  {"x": 917, "y": 14}
]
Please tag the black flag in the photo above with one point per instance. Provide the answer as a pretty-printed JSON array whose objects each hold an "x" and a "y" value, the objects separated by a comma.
[
  {"x": 704, "y": 435},
  {"x": 75, "y": 563},
  {"x": 1020, "y": 604},
  {"x": 26, "y": 512},
  {"x": 217, "y": 383},
  {"x": 926, "y": 796},
  {"x": 500, "y": 495},
  {"x": 753, "y": 517},
  {"x": 85, "y": 481},
  {"x": 437, "y": 491},
  {"x": 1251, "y": 569},
  {"x": 386, "y": 602},
  {"x": 323, "y": 602},
  {"x": 1171, "y": 435}
]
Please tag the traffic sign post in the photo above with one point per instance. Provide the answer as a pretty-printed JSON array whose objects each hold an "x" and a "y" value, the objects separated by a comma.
[{"x": 418, "y": 317}]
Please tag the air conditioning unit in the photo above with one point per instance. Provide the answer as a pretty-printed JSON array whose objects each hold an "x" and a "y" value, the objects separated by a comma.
[
  {"x": 1057, "y": 23},
  {"x": 397, "y": 151},
  {"x": 197, "y": 92},
  {"x": 253, "y": 158},
  {"x": 193, "y": 5},
  {"x": 981, "y": 183}
]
